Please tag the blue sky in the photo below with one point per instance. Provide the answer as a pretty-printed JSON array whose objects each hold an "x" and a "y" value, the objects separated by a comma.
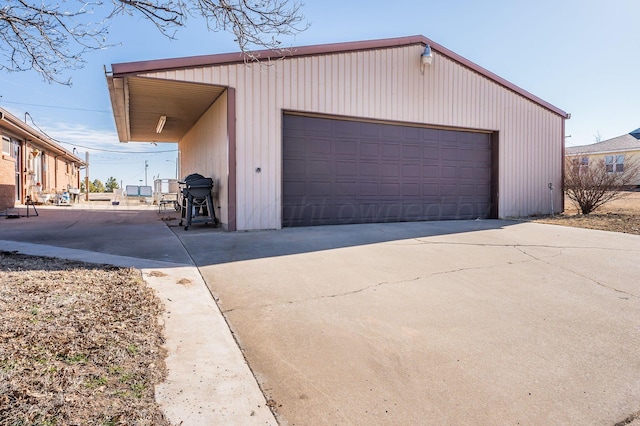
[{"x": 581, "y": 56}]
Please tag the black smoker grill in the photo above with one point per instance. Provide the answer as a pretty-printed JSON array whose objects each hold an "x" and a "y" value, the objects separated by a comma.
[{"x": 197, "y": 205}]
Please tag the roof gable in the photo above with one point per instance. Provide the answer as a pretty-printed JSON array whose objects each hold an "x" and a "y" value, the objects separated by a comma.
[{"x": 133, "y": 68}]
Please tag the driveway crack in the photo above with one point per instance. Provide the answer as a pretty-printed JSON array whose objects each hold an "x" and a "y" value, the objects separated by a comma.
[
  {"x": 586, "y": 277},
  {"x": 369, "y": 287}
]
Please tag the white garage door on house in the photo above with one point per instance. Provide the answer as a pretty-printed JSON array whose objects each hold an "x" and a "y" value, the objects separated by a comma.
[{"x": 338, "y": 171}]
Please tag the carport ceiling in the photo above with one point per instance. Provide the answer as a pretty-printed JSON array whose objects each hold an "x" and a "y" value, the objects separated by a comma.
[{"x": 139, "y": 102}]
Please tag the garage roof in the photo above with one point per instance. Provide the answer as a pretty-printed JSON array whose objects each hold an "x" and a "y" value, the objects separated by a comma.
[{"x": 138, "y": 102}]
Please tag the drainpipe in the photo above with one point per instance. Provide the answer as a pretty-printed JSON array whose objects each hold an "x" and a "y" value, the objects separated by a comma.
[
  {"x": 551, "y": 196},
  {"x": 86, "y": 178}
]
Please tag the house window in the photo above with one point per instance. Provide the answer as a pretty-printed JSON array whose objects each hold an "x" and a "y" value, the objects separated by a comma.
[
  {"x": 614, "y": 163},
  {"x": 6, "y": 145}
]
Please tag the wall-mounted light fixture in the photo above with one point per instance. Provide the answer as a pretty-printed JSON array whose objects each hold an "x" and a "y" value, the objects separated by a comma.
[
  {"x": 426, "y": 58},
  {"x": 161, "y": 122}
]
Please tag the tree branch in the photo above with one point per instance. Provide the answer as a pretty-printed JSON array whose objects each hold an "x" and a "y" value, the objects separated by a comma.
[{"x": 52, "y": 37}]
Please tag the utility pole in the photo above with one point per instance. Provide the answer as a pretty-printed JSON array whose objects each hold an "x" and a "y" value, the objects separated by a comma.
[{"x": 146, "y": 166}]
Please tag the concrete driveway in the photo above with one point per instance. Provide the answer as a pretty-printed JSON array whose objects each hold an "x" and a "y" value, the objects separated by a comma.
[
  {"x": 470, "y": 322},
  {"x": 473, "y": 322}
]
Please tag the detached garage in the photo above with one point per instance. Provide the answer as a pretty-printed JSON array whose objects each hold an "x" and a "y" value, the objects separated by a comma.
[{"x": 376, "y": 131}]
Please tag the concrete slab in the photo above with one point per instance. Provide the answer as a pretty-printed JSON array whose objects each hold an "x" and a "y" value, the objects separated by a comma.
[
  {"x": 479, "y": 322},
  {"x": 209, "y": 381},
  {"x": 132, "y": 231}
]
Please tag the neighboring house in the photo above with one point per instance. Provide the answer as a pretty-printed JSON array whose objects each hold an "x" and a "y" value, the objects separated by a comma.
[
  {"x": 615, "y": 153},
  {"x": 387, "y": 130},
  {"x": 33, "y": 165}
]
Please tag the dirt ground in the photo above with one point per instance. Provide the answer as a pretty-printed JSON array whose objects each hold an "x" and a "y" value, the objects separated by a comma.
[
  {"x": 80, "y": 344},
  {"x": 622, "y": 215}
]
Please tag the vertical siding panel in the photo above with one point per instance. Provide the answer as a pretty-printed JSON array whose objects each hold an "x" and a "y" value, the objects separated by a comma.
[
  {"x": 378, "y": 83},
  {"x": 322, "y": 83},
  {"x": 338, "y": 84},
  {"x": 313, "y": 84},
  {"x": 241, "y": 124},
  {"x": 273, "y": 163},
  {"x": 349, "y": 83},
  {"x": 286, "y": 85},
  {"x": 361, "y": 97},
  {"x": 299, "y": 88}
]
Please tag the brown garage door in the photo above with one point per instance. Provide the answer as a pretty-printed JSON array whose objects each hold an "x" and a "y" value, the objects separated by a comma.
[{"x": 339, "y": 171}]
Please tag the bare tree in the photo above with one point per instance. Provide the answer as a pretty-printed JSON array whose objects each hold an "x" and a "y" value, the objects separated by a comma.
[
  {"x": 597, "y": 137},
  {"x": 53, "y": 37},
  {"x": 590, "y": 185}
]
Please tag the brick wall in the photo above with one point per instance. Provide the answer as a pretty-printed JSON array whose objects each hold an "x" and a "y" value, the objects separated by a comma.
[{"x": 7, "y": 182}]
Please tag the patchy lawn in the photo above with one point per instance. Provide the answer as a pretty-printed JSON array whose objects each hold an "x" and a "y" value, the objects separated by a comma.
[
  {"x": 80, "y": 344},
  {"x": 621, "y": 215}
]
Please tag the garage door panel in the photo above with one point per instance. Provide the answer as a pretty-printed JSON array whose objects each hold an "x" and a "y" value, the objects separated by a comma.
[
  {"x": 320, "y": 189},
  {"x": 367, "y": 189},
  {"x": 317, "y": 146},
  {"x": 346, "y": 169},
  {"x": 389, "y": 189},
  {"x": 430, "y": 171},
  {"x": 466, "y": 172},
  {"x": 430, "y": 152},
  {"x": 320, "y": 168},
  {"x": 295, "y": 167},
  {"x": 346, "y": 147},
  {"x": 390, "y": 170},
  {"x": 466, "y": 155},
  {"x": 369, "y": 131},
  {"x": 343, "y": 189},
  {"x": 448, "y": 172},
  {"x": 432, "y": 190},
  {"x": 410, "y": 190},
  {"x": 411, "y": 170},
  {"x": 369, "y": 149},
  {"x": 392, "y": 133},
  {"x": 294, "y": 189},
  {"x": 449, "y": 153},
  {"x": 411, "y": 152},
  {"x": 343, "y": 128},
  {"x": 370, "y": 172},
  {"x": 390, "y": 151}
]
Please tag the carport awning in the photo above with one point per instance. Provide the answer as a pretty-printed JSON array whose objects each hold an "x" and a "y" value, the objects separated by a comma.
[{"x": 139, "y": 102}]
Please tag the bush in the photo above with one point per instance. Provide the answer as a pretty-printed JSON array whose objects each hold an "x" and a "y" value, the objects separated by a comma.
[{"x": 589, "y": 186}]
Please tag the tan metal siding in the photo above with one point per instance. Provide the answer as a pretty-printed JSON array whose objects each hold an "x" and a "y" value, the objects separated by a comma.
[
  {"x": 384, "y": 84},
  {"x": 204, "y": 150}
]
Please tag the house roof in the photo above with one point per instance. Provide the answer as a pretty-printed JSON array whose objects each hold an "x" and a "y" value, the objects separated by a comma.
[
  {"x": 22, "y": 129},
  {"x": 123, "y": 73},
  {"x": 627, "y": 142}
]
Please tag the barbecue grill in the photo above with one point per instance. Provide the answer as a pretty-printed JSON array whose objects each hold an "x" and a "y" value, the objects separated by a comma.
[{"x": 197, "y": 204}]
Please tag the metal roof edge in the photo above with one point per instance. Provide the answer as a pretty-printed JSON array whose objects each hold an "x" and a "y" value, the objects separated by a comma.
[
  {"x": 37, "y": 136},
  {"x": 129, "y": 68}
]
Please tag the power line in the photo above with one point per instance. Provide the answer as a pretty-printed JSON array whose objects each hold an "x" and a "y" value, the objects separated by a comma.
[
  {"x": 111, "y": 150},
  {"x": 92, "y": 148},
  {"x": 57, "y": 107}
]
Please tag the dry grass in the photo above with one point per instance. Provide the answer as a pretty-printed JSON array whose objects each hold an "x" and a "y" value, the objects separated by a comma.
[
  {"x": 80, "y": 344},
  {"x": 621, "y": 215}
]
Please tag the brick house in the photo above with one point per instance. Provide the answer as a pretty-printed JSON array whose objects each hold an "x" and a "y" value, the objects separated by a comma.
[{"x": 33, "y": 165}]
